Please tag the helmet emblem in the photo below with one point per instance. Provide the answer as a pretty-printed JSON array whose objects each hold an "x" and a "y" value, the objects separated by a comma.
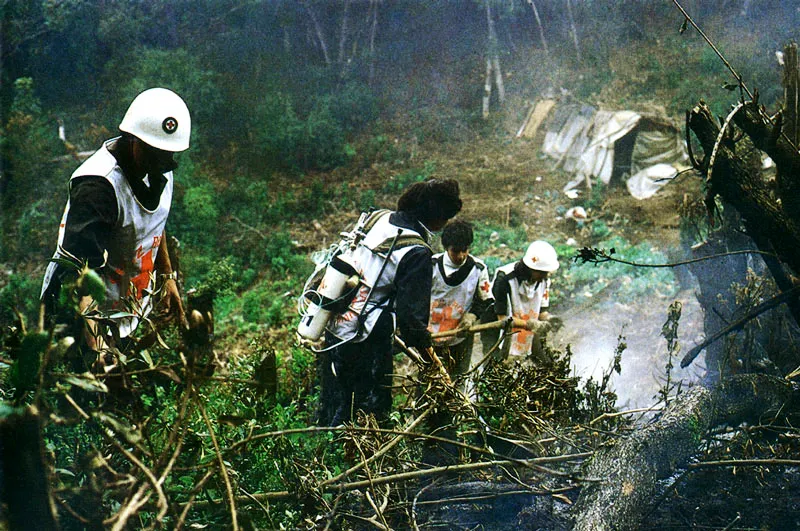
[{"x": 169, "y": 125}]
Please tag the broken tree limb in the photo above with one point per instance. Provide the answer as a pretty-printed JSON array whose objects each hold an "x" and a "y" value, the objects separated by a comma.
[
  {"x": 738, "y": 325},
  {"x": 774, "y": 224},
  {"x": 419, "y": 360},
  {"x": 741, "y": 185},
  {"x": 630, "y": 470}
]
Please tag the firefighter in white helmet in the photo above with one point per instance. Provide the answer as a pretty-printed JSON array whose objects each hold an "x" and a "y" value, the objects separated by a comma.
[
  {"x": 119, "y": 201},
  {"x": 522, "y": 290}
]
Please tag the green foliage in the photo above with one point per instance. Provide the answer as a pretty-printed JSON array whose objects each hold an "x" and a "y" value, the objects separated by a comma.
[
  {"x": 279, "y": 251},
  {"x": 220, "y": 279},
  {"x": 20, "y": 293},
  {"x": 37, "y": 228},
  {"x": 597, "y": 196},
  {"x": 27, "y": 144},
  {"x": 366, "y": 200},
  {"x": 201, "y": 213},
  {"x": 381, "y": 149},
  {"x": 24, "y": 371},
  {"x": 599, "y": 229},
  {"x": 289, "y": 138},
  {"x": 261, "y": 306},
  {"x": 488, "y": 236}
]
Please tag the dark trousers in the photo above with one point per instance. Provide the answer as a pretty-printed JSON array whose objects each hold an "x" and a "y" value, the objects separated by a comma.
[{"x": 357, "y": 376}]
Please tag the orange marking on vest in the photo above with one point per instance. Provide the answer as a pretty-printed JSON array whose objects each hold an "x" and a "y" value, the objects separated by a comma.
[
  {"x": 142, "y": 280},
  {"x": 444, "y": 318}
]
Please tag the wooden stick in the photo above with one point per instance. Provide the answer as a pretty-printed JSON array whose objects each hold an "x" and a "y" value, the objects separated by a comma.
[
  {"x": 222, "y": 468},
  {"x": 518, "y": 323},
  {"x": 414, "y": 355}
]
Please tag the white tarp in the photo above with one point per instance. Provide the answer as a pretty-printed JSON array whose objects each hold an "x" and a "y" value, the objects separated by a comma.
[
  {"x": 582, "y": 140},
  {"x": 647, "y": 182},
  {"x": 597, "y": 160}
]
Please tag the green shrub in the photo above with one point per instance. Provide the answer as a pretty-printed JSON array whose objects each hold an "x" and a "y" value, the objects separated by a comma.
[
  {"x": 28, "y": 142},
  {"x": 322, "y": 144},
  {"x": 20, "y": 293},
  {"x": 488, "y": 236},
  {"x": 279, "y": 252},
  {"x": 199, "y": 216},
  {"x": 366, "y": 200}
]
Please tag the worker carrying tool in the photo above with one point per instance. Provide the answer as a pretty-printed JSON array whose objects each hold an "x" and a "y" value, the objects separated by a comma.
[
  {"x": 113, "y": 222},
  {"x": 522, "y": 290},
  {"x": 460, "y": 291},
  {"x": 377, "y": 278}
]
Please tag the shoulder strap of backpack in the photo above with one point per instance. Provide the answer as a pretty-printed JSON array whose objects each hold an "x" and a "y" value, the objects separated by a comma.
[{"x": 404, "y": 240}]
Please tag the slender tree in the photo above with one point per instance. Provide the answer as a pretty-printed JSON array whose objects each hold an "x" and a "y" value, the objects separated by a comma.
[
  {"x": 492, "y": 65},
  {"x": 320, "y": 35},
  {"x": 573, "y": 30},
  {"x": 539, "y": 25}
]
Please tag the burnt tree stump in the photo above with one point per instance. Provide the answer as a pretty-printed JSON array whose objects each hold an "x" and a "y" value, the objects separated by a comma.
[{"x": 629, "y": 471}]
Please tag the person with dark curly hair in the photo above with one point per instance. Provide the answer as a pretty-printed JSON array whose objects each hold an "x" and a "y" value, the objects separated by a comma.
[
  {"x": 394, "y": 262},
  {"x": 460, "y": 292}
]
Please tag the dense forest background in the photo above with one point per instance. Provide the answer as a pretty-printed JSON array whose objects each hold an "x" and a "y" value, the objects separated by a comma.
[{"x": 305, "y": 113}]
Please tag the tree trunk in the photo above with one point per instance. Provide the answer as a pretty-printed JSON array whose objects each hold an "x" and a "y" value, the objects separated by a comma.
[
  {"x": 492, "y": 64},
  {"x": 573, "y": 31},
  {"x": 738, "y": 183},
  {"x": 343, "y": 35},
  {"x": 790, "y": 93},
  {"x": 498, "y": 79},
  {"x": 539, "y": 24},
  {"x": 630, "y": 470},
  {"x": 320, "y": 36},
  {"x": 373, "y": 30},
  {"x": 487, "y": 89}
]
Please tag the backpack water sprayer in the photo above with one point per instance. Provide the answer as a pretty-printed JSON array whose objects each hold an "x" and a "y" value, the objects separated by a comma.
[{"x": 332, "y": 286}]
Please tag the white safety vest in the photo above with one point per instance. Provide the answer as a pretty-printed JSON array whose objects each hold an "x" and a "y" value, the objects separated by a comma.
[
  {"x": 525, "y": 301},
  {"x": 449, "y": 303},
  {"x": 134, "y": 243},
  {"x": 368, "y": 257}
]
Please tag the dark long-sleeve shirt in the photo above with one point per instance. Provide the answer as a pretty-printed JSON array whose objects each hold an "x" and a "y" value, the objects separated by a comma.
[{"x": 412, "y": 284}]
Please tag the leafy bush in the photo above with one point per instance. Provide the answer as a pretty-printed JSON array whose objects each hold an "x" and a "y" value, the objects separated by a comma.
[
  {"x": 20, "y": 293},
  {"x": 489, "y": 236},
  {"x": 200, "y": 215},
  {"x": 27, "y": 143},
  {"x": 279, "y": 251}
]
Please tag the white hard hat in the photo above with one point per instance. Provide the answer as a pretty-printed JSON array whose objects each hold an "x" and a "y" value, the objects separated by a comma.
[
  {"x": 159, "y": 118},
  {"x": 541, "y": 256}
]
